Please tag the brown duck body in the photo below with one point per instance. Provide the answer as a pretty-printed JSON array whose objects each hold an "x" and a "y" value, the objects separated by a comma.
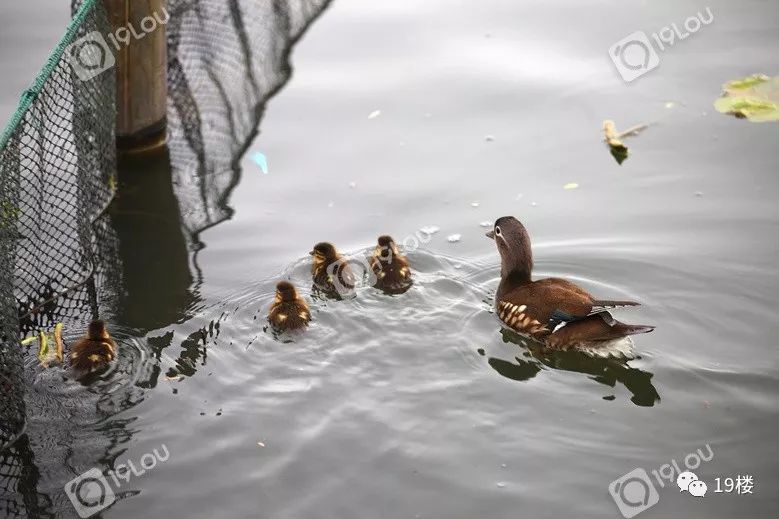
[
  {"x": 94, "y": 351},
  {"x": 553, "y": 310},
  {"x": 288, "y": 311},
  {"x": 330, "y": 272},
  {"x": 391, "y": 268}
]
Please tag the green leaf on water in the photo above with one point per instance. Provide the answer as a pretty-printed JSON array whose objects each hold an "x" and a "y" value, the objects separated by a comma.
[{"x": 754, "y": 97}]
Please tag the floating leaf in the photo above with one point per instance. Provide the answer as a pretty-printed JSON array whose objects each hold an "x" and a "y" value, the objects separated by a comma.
[
  {"x": 754, "y": 97},
  {"x": 43, "y": 348},
  {"x": 571, "y": 185},
  {"x": 58, "y": 342},
  {"x": 614, "y": 139},
  {"x": 29, "y": 340}
]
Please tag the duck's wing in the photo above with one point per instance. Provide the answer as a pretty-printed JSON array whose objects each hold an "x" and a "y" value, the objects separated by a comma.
[
  {"x": 547, "y": 303},
  {"x": 592, "y": 329}
]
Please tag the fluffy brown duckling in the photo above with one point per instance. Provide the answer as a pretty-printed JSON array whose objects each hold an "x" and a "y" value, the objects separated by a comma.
[
  {"x": 391, "y": 268},
  {"x": 330, "y": 271},
  {"x": 554, "y": 311},
  {"x": 289, "y": 311},
  {"x": 94, "y": 351}
]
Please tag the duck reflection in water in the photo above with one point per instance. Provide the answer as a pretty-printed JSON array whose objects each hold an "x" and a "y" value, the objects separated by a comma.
[{"x": 606, "y": 371}]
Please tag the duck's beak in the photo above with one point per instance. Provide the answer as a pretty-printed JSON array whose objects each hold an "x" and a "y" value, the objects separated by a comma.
[
  {"x": 490, "y": 235},
  {"x": 311, "y": 253}
]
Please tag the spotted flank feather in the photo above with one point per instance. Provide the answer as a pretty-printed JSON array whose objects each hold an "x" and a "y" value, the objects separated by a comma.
[{"x": 516, "y": 318}]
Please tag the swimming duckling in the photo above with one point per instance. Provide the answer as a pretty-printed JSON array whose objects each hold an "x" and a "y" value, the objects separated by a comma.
[
  {"x": 392, "y": 271},
  {"x": 94, "y": 351},
  {"x": 554, "y": 311},
  {"x": 288, "y": 311},
  {"x": 330, "y": 271}
]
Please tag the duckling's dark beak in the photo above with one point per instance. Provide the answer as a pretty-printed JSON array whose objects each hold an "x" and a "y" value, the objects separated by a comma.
[
  {"x": 490, "y": 235},
  {"x": 311, "y": 253}
]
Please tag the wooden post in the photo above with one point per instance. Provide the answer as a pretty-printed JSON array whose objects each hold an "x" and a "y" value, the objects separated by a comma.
[{"x": 140, "y": 45}]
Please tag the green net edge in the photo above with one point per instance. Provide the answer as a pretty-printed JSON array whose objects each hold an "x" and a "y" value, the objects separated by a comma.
[{"x": 31, "y": 93}]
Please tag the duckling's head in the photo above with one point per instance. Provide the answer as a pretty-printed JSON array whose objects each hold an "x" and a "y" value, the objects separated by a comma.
[
  {"x": 387, "y": 247},
  {"x": 285, "y": 291},
  {"x": 324, "y": 250},
  {"x": 513, "y": 241},
  {"x": 97, "y": 330},
  {"x": 386, "y": 241}
]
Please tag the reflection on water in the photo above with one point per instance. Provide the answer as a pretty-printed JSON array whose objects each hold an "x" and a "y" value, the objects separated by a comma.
[
  {"x": 156, "y": 283},
  {"x": 608, "y": 372},
  {"x": 385, "y": 402}
]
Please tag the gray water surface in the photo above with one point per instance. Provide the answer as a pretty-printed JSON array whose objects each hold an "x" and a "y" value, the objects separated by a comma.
[{"x": 418, "y": 405}]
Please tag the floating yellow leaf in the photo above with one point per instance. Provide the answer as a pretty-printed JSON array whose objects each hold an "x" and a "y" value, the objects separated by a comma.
[
  {"x": 43, "y": 347},
  {"x": 754, "y": 97},
  {"x": 571, "y": 185},
  {"x": 29, "y": 340},
  {"x": 58, "y": 342}
]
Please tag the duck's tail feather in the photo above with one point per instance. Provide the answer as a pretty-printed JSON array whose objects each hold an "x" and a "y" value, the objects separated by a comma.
[
  {"x": 606, "y": 303},
  {"x": 593, "y": 329}
]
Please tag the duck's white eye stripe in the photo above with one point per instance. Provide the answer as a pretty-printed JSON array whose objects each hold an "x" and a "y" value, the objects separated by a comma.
[{"x": 497, "y": 230}]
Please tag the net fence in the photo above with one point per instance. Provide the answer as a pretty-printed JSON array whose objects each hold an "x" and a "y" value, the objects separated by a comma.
[
  {"x": 56, "y": 176},
  {"x": 59, "y": 251}
]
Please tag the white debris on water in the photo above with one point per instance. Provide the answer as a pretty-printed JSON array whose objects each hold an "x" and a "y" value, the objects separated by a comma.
[
  {"x": 374, "y": 114},
  {"x": 485, "y": 224},
  {"x": 430, "y": 229},
  {"x": 489, "y": 138},
  {"x": 474, "y": 204},
  {"x": 454, "y": 238}
]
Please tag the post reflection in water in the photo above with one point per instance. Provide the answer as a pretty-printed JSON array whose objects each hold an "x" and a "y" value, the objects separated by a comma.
[{"x": 157, "y": 285}]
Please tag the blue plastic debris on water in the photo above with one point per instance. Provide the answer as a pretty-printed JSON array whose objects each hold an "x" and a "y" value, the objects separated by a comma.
[{"x": 262, "y": 161}]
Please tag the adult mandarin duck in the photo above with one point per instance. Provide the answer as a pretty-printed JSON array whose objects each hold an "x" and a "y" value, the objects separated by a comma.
[{"x": 553, "y": 311}]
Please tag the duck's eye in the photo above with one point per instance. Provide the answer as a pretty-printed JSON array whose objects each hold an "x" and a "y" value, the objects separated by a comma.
[{"x": 497, "y": 231}]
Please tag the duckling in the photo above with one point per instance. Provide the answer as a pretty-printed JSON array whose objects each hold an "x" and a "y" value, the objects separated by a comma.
[
  {"x": 554, "y": 311},
  {"x": 331, "y": 273},
  {"x": 288, "y": 311},
  {"x": 392, "y": 270},
  {"x": 94, "y": 351}
]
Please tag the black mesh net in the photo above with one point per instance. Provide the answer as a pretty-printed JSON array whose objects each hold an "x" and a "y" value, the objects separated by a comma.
[
  {"x": 56, "y": 171},
  {"x": 59, "y": 249}
]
